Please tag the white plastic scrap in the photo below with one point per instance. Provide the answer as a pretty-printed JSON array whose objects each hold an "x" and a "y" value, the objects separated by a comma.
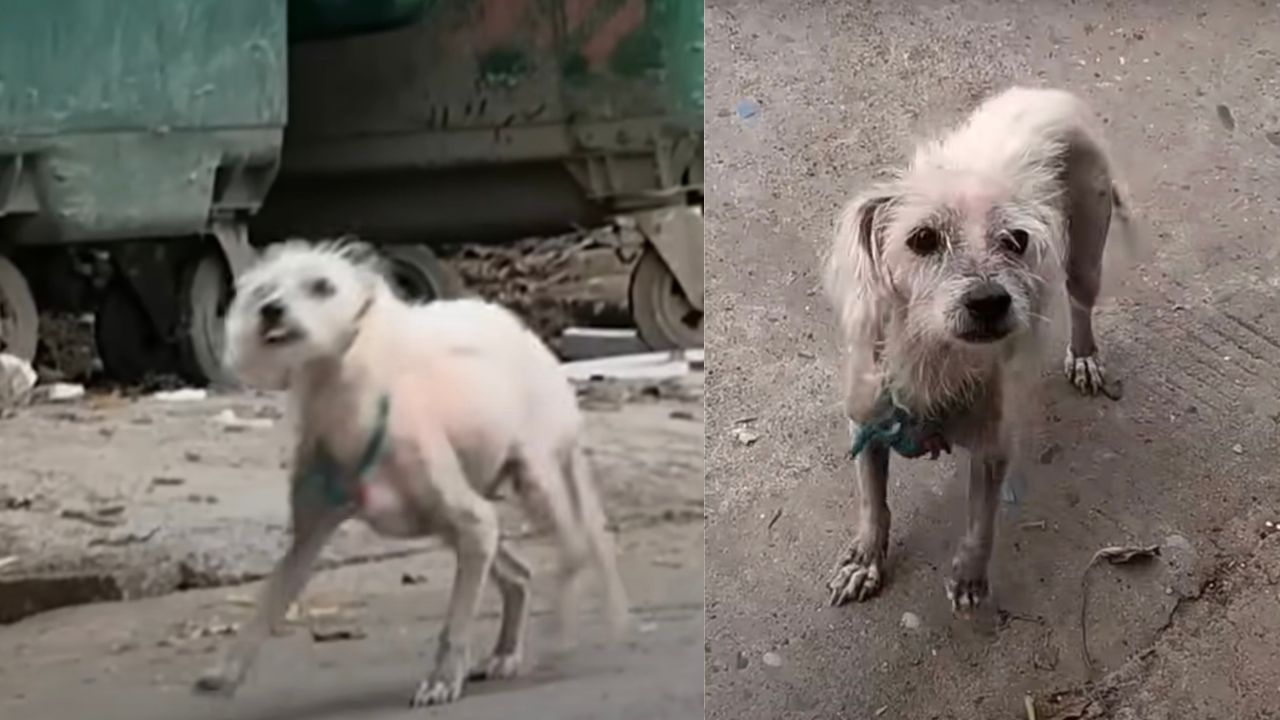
[{"x": 17, "y": 378}]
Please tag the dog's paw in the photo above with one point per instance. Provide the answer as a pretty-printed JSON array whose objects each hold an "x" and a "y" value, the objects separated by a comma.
[
  {"x": 1085, "y": 373},
  {"x": 859, "y": 574},
  {"x": 967, "y": 588},
  {"x": 436, "y": 692},
  {"x": 967, "y": 594},
  {"x": 498, "y": 667}
]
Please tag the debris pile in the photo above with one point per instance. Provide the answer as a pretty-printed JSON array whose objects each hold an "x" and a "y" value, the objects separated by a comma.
[{"x": 554, "y": 282}]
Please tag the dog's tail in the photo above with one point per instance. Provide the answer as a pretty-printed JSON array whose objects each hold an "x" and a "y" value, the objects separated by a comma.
[{"x": 590, "y": 515}]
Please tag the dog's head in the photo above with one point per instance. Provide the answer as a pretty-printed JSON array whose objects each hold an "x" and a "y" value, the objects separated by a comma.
[
  {"x": 299, "y": 304},
  {"x": 956, "y": 256}
]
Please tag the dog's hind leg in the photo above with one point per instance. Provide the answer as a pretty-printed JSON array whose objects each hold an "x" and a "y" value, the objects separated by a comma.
[
  {"x": 544, "y": 491},
  {"x": 470, "y": 526},
  {"x": 859, "y": 574},
  {"x": 591, "y": 517},
  {"x": 1090, "y": 195},
  {"x": 512, "y": 578},
  {"x": 968, "y": 586}
]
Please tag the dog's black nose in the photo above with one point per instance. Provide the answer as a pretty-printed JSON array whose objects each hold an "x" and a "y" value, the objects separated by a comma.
[
  {"x": 988, "y": 303},
  {"x": 271, "y": 312}
]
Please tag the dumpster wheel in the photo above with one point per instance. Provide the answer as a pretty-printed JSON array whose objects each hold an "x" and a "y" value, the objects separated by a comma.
[
  {"x": 205, "y": 294},
  {"x": 664, "y": 317},
  {"x": 127, "y": 344},
  {"x": 418, "y": 275},
  {"x": 19, "y": 320}
]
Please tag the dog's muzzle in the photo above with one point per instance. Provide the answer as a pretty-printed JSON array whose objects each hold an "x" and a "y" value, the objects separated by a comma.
[
  {"x": 987, "y": 314},
  {"x": 271, "y": 324}
]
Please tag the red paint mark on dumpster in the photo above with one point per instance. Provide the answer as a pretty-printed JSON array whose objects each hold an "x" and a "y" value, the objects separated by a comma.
[
  {"x": 625, "y": 21},
  {"x": 576, "y": 12},
  {"x": 500, "y": 21}
]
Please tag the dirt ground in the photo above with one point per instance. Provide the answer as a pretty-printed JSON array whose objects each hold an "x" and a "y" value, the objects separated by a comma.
[
  {"x": 108, "y": 498},
  {"x": 808, "y": 102}
]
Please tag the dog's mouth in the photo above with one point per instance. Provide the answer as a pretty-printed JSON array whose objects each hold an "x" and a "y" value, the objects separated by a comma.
[
  {"x": 984, "y": 335},
  {"x": 280, "y": 335}
]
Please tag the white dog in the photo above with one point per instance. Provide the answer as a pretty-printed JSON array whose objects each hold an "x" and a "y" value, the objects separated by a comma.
[
  {"x": 411, "y": 417},
  {"x": 943, "y": 280}
]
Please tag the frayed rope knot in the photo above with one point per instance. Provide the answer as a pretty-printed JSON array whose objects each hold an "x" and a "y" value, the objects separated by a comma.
[{"x": 905, "y": 434}]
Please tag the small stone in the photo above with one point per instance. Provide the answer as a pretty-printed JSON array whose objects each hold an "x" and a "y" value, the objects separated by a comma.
[
  {"x": 1225, "y": 117},
  {"x": 745, "y": 436},
  {"x": 910, "y": 621},
  {"x": 1237, "y": 449},
  {"x": 742, "y": 661},
  {"x": 773, "y": 659}
]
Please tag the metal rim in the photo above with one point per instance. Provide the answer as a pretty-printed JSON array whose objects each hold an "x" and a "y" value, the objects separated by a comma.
[
  {"x": 417, "y": 275},
  {"x": 19, "y": 319},
  {"x": 206, "y": 295},
  {"x": 664, "y": 317}
]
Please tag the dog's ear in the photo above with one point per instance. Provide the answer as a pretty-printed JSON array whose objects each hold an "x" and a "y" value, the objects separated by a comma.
[
  {"x": 854, "y": 278},
  {"x": 855, "y": 283},
  {"x": 355, "y": 250}
]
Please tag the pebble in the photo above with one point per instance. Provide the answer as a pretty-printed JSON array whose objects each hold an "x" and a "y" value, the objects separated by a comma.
[
  {"x": 773, "y": 659},
  {"x": 745, "y": 436},
  {"x": 743, "y": 661},
  {"x": 910, "y": 621},
  {"x": 1237, "y": 449}
]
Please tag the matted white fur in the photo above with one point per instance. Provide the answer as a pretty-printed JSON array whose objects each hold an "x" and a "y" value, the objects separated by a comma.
[
  {"x": 477, "y": 405},
  {"x": 946, "y": 280}
]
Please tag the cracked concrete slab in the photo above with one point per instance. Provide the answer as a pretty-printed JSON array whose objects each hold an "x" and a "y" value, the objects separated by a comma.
[{"x": 839, "y": 92}]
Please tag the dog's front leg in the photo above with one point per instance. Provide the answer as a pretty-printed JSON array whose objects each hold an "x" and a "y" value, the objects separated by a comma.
[
  {"x": 968, "y": 587},
  {"x": 471, "y": 527},
  {"x": 312, "y": 528},
  {"x": 860, "y": 571}
]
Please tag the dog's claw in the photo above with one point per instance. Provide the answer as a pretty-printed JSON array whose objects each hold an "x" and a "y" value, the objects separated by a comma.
[
  {"x": 857, "y": 578},
  {"x": 1085, "y": 373},
  {"x": 436, "y": 692},
  {"x": 498, "y": 667},
  {"x": 967, "y": 595}
]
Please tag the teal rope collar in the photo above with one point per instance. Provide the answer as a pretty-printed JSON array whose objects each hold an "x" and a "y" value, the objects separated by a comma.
[
  {"x": 908, "y": 435},
  {"x": 326, "y": 476}
]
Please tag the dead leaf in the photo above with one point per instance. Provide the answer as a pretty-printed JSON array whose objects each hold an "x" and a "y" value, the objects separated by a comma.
[
  {"x": 1119, "y": 555},
  {"x": 1115, "y": 555}
]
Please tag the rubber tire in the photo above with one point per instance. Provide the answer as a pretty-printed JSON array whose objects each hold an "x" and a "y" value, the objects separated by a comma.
[
  {"x": 429, "y": 278},
  {"x": 204, "y": 295},
  {"x": 659, "y": 305},
  {"x": 19, "y": 318},
  {"x": 125, "y": 340}
]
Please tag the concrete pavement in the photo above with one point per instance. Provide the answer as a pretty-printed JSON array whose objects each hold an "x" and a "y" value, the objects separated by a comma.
[{"x": 808, "y": 101}]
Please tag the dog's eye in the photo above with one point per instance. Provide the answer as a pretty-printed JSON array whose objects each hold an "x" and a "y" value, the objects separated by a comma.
[
  {"x": 1015, "y": 240},
  {"x": 924, "y": 241},
  {"x": 320, "y": 288}
]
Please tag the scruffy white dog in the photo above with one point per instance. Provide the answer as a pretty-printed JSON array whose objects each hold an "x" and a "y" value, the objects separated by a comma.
[
  {"x": 411, "y": 418},
  {"x": 943, "y": 280}
]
